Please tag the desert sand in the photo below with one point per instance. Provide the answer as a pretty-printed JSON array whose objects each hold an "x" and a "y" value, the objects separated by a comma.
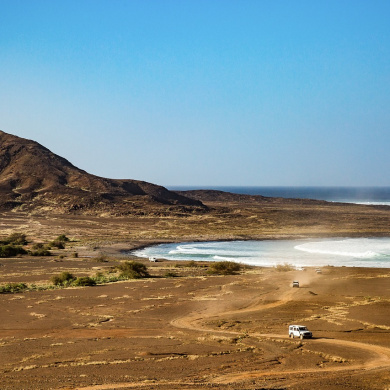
[{"x": 195, "y": 330}]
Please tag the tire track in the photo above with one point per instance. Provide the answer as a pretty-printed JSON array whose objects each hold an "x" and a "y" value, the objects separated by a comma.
[{"x": 195, "y": 322}]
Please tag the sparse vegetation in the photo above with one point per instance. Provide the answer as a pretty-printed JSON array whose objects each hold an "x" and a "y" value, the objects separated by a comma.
[
  {"x": 63, "y": 279},
  {"x": 57, "y": 244},
  {"x": 39, "y": 249},
  {"x": 284, "y": 267},
  {"x": 12, "y": 245},
  {"x": 170, "y": 274},
  {"x": 15, "y": 239},
  {"x": 10, "y": 250},
  {"x": 102, "y": 278},
  {"x": 13, "y": 287},
  {"x": 133, "y": 270},
  {"x": 84, "y": 281},
  {"x": 101, "y": 258},
  {"x": 40, "y": 252},
  {"x": 224, "y": 268},
  {"x": 62, "y": 238},
  {"x": 38, "y": 245}
]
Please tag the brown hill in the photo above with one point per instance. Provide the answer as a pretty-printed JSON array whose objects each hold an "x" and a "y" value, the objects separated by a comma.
[
  {"x": 32, "y": 178},
  {"x": 224, "y": 198},
  {"x": 218, "y": 196}
]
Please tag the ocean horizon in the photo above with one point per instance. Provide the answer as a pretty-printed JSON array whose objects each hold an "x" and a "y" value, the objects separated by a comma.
[{"x": 358, "y": 195}]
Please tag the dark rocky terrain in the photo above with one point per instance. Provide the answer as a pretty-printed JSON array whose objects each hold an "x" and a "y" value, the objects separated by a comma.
[
  {"x": 223, "y": 197},
  {"x": 32, "y": 178}
]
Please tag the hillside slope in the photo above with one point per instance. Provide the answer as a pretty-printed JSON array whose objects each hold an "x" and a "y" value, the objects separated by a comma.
[{"x": 33, "y": 178}]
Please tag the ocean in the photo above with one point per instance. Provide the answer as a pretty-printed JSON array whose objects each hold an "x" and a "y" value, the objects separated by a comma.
[
  {"x": 359, "y": 195},
  {"x": 349, "y": 252}
]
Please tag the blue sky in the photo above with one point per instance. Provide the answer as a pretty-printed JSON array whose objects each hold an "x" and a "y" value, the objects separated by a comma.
[{"x": 203, "y": 92}]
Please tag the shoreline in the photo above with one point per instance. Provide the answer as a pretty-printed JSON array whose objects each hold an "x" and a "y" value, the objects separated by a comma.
[
  {"x": 298, "y": 259},
  {"x": 265, "y": 238}
]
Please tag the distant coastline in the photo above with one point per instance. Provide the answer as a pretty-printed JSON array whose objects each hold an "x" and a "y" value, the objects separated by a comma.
[{"x": 358, "y": 195}]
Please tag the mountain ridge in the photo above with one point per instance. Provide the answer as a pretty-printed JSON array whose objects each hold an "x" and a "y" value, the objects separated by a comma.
[{"x": 34, "y": 178}]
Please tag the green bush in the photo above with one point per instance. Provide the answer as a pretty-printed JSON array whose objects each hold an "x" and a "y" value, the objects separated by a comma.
[
  {"x": 170, "y": 274},
  {"x": 133, "y": 270},
  {"x": 57, "y": 244},
  {"x": 100, "y": 277},
  {"x": 13, "y": 287},
  {"x": 84, "y": 281},
  {"x": 15, "y": 239},
  {"x": 111, "y": 279},
  {"x": 224, "y": 268},
  {"x": 62, "y": 238},
  {"x": 63, "y": 279},
  {"x": 40, "y": 252},
  {"x": 11, "y": 251},
  {"x": 38, "y": 245}
]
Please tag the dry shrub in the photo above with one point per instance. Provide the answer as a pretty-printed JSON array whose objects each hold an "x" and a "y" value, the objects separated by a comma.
[
  {"x": 284, "y": 267},
  {"x": 133, "y": 270},
  {"x": 224, "y": 268},
  {"x": 63, "y": 279}
]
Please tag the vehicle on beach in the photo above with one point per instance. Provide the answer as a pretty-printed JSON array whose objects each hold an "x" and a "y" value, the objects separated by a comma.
[
  {"x": 295, "y": 283},
  {"x": 152, "y": 259},
  {"x": 299, "y": 331},
  {"x": 318, "y": 270}
]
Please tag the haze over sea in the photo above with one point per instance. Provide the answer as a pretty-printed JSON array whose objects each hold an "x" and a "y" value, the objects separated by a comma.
[{"x": 350, "y": 252}]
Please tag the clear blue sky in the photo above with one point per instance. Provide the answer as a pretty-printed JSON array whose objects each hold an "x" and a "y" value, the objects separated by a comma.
[{"x": 203, "y": 92}]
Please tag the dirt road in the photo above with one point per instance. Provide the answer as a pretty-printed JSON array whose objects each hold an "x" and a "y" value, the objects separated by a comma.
[{"x": 373, "y": 358}]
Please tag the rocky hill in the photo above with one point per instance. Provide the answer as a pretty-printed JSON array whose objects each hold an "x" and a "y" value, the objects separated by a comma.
[
  {"x": 225, "y": 198},
  {"x": 34, "y": 179}
]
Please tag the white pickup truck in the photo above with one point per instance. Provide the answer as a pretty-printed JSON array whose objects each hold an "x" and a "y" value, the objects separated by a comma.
[{"x": 299, "y": 331}]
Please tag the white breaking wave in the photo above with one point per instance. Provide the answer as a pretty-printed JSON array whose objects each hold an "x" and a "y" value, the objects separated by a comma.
[
  {"x": 360, "y": 255},
  {"x": 190, "y": 249},
  {"x": 362, "y": 202},
  {"x": 354, "y": 252},
  {"x": 355, "y": 248},
  {"x": 374, "y": 203},
  {"x": 222, "y": 258}
]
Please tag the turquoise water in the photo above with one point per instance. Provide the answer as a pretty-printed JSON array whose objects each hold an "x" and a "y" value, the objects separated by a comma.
[{"x": 351, "y": 252}]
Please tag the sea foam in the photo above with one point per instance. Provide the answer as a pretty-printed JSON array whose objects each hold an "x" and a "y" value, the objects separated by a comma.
[{"x": 353, "y": 252}]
